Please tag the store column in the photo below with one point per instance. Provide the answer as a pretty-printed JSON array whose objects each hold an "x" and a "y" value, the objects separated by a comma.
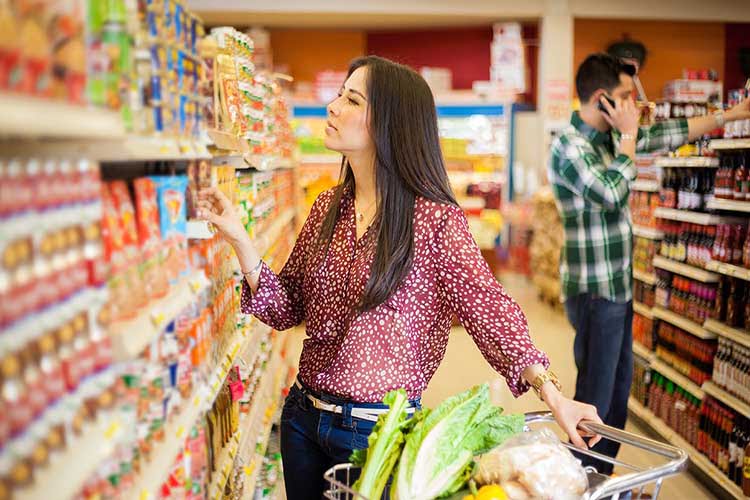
[{"x": 555, "y": 73}]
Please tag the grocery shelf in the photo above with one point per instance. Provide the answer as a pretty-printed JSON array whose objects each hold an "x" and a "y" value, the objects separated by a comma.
[
  {"x": 27, "y": 117},
  {"x": 729, "y": 270},
  {"x": 239, "y": 341},
  {"x": 688, "y": 216},
  {"x": 642, "y": 309},
  {"x": 63, "y": 477},
  {"x": 678, "y": 378},
  {"x": 228, "y": 142},
  {"x": 260, "y": 162},
  {"x": 131, "y": 337},
  {"x": 658, "y": 427},
  {"x": 730, "y": 205},
  {"x": 689, "y": 161},
  {"x": 643, "y": 352},
  {"x": 683, "y": 269},
  {"x": 647, "y": 232},
  {"x": 155, "y": 471},
  {"x": 271, "y": 236},
  {"x": 682, "y": 322},
  {"x": 725, "y": 144},
  {"x": 713, "y": 390},
  {"x": 128, "y": 148},
  {"x": 152, "y": 148},
  {"x": 224, "y": 462},
  {"x": 238, "y": 161},
  {"x": 647, "y": 185},
  {"x": 648, "y": 278},
  {"x": 726, "y": 331}
]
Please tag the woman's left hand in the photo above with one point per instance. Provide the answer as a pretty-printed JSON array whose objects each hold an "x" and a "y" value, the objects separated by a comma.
[{"x": 569, "y": 414}]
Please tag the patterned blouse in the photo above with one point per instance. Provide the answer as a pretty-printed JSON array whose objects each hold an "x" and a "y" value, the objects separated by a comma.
[{"x": 364, "y": 355}]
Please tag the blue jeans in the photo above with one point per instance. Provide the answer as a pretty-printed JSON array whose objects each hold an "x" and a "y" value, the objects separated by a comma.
[
  {"x": 603, "y": 351},
  {"x": 313, "y": 441}
]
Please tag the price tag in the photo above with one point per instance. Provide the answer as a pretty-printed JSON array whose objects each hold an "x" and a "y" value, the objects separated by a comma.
[
  {"x": 145, "y": 495},
  {"x": 248, "y": 469},
  {"x": 112, "y": 430},
  {"x": 157, "y": 318},
  {"x": 180, "y": 431},
  {"x": 196, "y": 401},
  {"x": 195, "y": 285}
]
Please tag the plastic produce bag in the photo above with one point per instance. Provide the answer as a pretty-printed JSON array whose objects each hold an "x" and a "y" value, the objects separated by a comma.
[{"x": 533, "y": 465}]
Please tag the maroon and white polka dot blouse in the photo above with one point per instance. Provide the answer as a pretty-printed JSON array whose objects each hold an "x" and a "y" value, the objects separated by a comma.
[{"x": 362, "y": 356}]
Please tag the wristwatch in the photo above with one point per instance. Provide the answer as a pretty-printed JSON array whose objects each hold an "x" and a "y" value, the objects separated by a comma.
[
  {"x": 719, "y": 117},
  {"x": 541, "y": 379}
]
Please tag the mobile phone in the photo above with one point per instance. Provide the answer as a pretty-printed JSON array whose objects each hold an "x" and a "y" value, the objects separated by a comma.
[{"x": 609, "y": 100}]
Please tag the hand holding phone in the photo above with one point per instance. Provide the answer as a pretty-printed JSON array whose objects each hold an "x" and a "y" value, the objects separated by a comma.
[
  {"x": 621, "y": 114},
  {"x": 609, "y": 100}
]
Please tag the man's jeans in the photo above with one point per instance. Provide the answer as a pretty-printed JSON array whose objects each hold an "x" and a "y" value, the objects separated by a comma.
[{"x": 603, "y": 352}]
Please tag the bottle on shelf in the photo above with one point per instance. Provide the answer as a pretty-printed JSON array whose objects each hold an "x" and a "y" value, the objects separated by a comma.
[
  {"x": 741, "y": 179},
  {"x": 734, "y": 303}
]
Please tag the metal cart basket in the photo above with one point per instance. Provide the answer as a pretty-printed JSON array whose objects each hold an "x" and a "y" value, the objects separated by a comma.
[{"x": 340, "y": 478}]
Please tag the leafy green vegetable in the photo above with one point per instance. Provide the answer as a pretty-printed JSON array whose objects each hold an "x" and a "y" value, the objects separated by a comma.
[
  {"x": 384, "y": 446},
  {"x": 437, "y": 459}
]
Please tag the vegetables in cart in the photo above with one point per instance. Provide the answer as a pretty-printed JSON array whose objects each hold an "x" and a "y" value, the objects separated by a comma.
[
  {"x": 384, "y": 446},
  {"x": 533, "y": 465},
  {"x": 438, "y": 456},
  {"x": 434, "y": 449}
]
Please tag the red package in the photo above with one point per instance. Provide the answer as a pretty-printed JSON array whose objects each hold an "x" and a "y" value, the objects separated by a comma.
[
  {"x": 124, "y": 205},
  {"x": 112, "y": 236},
  {"x": 147, "y": 213}
]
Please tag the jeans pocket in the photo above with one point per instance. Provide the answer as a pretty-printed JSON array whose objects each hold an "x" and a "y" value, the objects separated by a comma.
[
  {"x": 292, "y": 405},
  {"x": 360, "y": 433}
]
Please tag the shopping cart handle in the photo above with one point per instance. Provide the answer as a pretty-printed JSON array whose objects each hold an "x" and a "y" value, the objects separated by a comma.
[
  {"x": 614, "y": 434},
  {"x": 677, "y": 458}
]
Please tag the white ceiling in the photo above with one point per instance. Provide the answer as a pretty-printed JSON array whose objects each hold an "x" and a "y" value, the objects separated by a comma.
[{"x": 382, "y": 14}]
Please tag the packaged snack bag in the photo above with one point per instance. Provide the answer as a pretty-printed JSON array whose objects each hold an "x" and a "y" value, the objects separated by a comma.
[
  {"x": 171, "y": 195},
  {"x": 134, "y": 282},
  {"x": 149, "y": 236},
  {"x": 147, "y": 213},
  {"x": 10, "y": 48},
  {"x": 36, "y": 57}
]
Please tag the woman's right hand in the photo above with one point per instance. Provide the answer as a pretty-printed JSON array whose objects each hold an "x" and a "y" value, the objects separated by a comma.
[{"x": 215, "y": 207}]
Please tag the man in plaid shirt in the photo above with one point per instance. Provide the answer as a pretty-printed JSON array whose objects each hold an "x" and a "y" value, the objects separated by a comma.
[{"x": 590, "y": 169}]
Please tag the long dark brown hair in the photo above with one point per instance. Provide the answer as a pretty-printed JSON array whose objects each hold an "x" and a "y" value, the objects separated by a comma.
[{"x": 408, "y": 163}]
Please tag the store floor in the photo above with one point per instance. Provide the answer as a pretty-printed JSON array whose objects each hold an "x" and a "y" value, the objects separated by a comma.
[{"x": 464, "y": 367}]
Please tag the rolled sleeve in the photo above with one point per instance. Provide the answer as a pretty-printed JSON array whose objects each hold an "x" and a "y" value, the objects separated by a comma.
[{"x": 663, "y": 136}]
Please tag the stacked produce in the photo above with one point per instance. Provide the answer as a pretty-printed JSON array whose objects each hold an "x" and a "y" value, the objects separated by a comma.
[
  {"x": 546, "y": 243},
  {"x": 432, "y": 454}
]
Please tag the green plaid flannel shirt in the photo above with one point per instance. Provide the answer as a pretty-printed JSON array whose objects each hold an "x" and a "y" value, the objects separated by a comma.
[{"x": 592, "y": 186}]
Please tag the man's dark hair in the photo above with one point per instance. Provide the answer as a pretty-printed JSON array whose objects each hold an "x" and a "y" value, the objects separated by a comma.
[{"x": 600, "y": 71}]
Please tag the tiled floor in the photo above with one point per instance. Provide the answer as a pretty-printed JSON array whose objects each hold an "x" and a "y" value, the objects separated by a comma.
[{"x": 464, "y": 367}]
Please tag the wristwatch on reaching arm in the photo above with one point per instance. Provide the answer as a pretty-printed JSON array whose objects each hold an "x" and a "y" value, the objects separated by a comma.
[{"x": 541, "y": 379}]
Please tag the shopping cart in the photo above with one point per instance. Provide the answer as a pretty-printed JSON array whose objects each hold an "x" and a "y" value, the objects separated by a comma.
[{"x": 340, "y": 477}]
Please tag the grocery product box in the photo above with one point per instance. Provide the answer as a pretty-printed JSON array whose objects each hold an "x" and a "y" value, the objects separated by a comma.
[{"x": 693, "y": 91}]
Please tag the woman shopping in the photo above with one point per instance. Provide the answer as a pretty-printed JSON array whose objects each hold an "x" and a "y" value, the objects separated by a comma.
[{"x": 383, "y": 262}]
